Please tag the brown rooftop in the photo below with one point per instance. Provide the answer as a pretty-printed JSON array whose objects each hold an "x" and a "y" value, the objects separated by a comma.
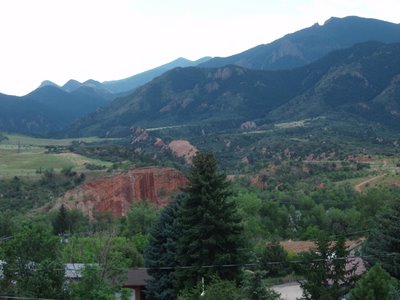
[
  {"x": 304, "y": 246},
  {"x": 137, "y": 277}
]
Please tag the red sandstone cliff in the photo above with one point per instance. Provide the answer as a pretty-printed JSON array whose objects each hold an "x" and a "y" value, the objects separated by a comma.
[{"x": 115, "y": 194}]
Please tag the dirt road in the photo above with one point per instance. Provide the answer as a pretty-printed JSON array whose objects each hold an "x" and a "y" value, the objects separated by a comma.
[{"x": 359, "y": 186}]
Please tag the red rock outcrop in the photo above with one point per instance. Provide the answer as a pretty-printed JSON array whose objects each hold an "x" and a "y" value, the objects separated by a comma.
[
  {"x": 183, "y": 149},
  {"x": 116, "y": 194}
]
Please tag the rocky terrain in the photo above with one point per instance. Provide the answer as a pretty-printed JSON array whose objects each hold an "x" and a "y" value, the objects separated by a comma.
[{"x": 115, "y": 194}]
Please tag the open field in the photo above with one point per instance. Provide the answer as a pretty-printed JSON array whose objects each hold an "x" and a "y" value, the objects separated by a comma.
[
  {"x": 383, "y": 171},
  {"x": 27, "y": 156},
  {"x": 13, "y": 140}
]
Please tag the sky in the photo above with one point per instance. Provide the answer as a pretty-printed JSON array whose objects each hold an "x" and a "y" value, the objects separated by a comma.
[{"x": 59, "y": 40}]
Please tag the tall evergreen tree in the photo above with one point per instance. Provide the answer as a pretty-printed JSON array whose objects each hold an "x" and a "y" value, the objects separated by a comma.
[
  {"x": 375, "y": 284},
  {"x": 274, "y": 252},
  {"x": 161, "y": 252},
  {"x": 383, "y": 244},
  {"x": 210, "y": 225},
  {"x": 62, "y": 222},
  {"x": 255, "y": 287},
  {"x": 325, "y": 272}
]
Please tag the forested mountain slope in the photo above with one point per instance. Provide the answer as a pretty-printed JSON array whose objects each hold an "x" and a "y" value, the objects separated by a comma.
[
  {"x": 362, "y": 80},
  {"x": 309, "y": 44}
]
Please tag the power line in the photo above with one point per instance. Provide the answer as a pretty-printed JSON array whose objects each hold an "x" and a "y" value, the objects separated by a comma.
[
  {"x": 5, "y": 238},
  {"x": 350, "y": 258},
  {"x": 23, "y": 298},
  {"x": 253, "y": 264}
]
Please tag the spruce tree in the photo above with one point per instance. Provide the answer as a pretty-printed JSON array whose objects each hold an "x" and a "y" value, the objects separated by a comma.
[
  {"x": 383, "y": 244},
  {"x": 274, "y": 252},
  {"x": 375, "y": 284},
  {"x": 161, "y": 252},
  {"x": 62, "y": 223},
  {"x": 255, "y": 287},
  {"x": 210, "y": 227},
  {"x": 325, "y": 272}
]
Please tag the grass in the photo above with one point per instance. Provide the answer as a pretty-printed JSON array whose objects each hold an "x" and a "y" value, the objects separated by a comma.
[
  {"x": 286, "y": 125},
  {"x": 25, "y": 156},
  {"x": 165, "y": 127},
  {"x": 379, "y": 165},
  {"x": 13, "y": 140},
  {"x": 299, "y": 123}
]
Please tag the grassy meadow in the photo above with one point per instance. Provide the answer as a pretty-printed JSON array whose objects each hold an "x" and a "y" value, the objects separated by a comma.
[{"x": 27, "y": 156}]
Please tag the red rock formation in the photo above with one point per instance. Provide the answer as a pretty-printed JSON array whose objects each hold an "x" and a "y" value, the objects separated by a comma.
[
  {"x": 116, "y": 194},
  {"x": 184, "y": 149}
]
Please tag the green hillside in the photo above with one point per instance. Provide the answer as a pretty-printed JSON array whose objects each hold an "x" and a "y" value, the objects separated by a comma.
[
  {"x": 360, "y": 81},
  {"x": 309, "y": 44},
  {"x": 24, "y": 156}
]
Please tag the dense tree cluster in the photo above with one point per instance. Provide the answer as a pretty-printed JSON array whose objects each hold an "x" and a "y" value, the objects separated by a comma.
[
  {"x": 215, "y": 238},
  {"x": 325, "y": 270},
  {"x": 383, "y": 244},
  {"x": 210, "y": 226}
]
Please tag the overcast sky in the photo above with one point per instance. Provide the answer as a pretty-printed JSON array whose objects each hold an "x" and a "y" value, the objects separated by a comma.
[{"x": 112, "y": 39}]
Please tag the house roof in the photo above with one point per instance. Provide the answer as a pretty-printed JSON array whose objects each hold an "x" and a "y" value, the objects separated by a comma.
[
  {"x": 356, "y": 261},
  {"x": 304, "y": 246},
  {"x": 73, "y": 270},
  {"x": 298, "y": 246},
  {"x": 137, "y": 277}
]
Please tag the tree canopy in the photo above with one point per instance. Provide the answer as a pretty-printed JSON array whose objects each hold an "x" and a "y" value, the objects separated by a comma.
[
  {"x": 161, "y": 252},
  {"x": 383, "y": 243},
  {"x": 210, "y": 227}
]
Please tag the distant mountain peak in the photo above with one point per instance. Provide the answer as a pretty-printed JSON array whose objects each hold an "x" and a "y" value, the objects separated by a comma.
[
  {"x": 71, "y": 85},
  {"x": 91, "y": 81},
  {"x": 181, "y": 59},
  {"x": 345, "y": 81},
  {"x": 131, "y": 83},
  {"x": 309, "y": 44},
  {"x": 47, "y": 82},
  {"x": 330, "y": 20}
]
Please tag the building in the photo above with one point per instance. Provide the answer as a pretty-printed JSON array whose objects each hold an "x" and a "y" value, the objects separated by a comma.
[{"x": 136, "y": 280}]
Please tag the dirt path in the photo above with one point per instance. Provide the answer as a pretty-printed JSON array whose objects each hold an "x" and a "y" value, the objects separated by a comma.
[{"x": 359, "y": 186}]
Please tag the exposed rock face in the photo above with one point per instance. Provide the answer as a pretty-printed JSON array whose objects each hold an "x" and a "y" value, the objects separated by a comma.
[
  {"x": 115, "y": 194},
  {"x": 245, "y": 160},
  {"x": 159, "y": 143},
  {"x": 184, "y": 149},
  {"x": 248, "y": 125},
  {"x": 139, "y": 134}
]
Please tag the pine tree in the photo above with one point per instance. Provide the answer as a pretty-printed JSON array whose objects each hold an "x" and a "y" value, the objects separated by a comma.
[
  {"x": 161, "y": 252},
  {"x": 383, "y": 244},
  {"x": 62, "y": 223},
  {"x": 210, "y": 227},
  {"x": 274, "y": 252},
  {"x": 375, "y": 284},
  {"x": 325, "y": 272},
  {"x": 255, "y": 287}
]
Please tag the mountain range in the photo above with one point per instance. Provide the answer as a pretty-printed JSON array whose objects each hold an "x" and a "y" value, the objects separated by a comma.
[
  {"x": 293, "y": 77},
  {"x": 51, "y": 107},
  {"x": 309, "y": 44},
  {"x": 363, "y": 80},
  {"x": 131, "y": 83},
  {"x": 48, "y": 108}
]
